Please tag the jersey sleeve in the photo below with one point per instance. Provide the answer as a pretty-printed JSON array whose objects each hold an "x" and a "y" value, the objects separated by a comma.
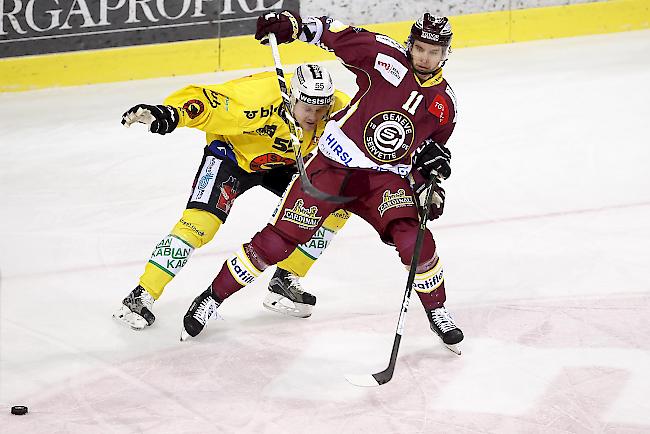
[
  {"x": 341, "y": 100},
  {"x": 444, "y": 107},
  {"x": 206, "y": 109},
  {"x": 353, "y": 45},
  {"x": 442, "y": 135}
]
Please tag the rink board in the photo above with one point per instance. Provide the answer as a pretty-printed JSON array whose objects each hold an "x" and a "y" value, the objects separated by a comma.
[{"x": 203, "y": 56}]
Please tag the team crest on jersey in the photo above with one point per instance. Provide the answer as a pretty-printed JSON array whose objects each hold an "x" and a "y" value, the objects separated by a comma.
[
  {"x": 388, "y": 136},
  {"x": 269, "y": 161},
  {"x": 229, "y": 190},
  {"x": 305, "y": 218},
  {"x": 193, "y": 108},
  {"x": 399, "y": 199}
]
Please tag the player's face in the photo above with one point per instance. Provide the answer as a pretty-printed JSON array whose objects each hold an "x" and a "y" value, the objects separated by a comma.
[
  {"x": 426, "y": 58},
  {"x": 308, "y": 115}
]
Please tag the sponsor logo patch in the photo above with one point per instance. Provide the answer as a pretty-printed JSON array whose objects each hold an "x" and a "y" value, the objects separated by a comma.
[
  {"x": 264, "y": 112},
  {"x": 213, "y": 98},
  {"x": 192, "y": 227},
  {"x": 337, "y": 149},
  {"x": 239, "y": 271},
  {"x": 399, "y": 199},
  {"x": 316, "y": 72},
  {"x": 305, "y": 218},
  {"x": 318, "y": 242},
  {"x": 430, "y": 36},
  {"x": 315, "y": 100},
  {"x": 171, "y": 254},
  {"x": 390, "y": 68},
  {"x": 269, "y": 161},
  {"x": 430, "y": 280},
  {"x": 193, "y": 108},
  {"x": 388, "y": 136},
  {"x": 440, "y": 109},
  {"x": 229, "y": 191},
  {"x": 205, "y": 179},
  {"x": 267, "y": 130}
]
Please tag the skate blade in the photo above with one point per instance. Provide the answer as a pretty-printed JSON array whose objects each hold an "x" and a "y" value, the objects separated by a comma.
[
  {"x": 185, "y": 336},
  {"x": 453, "y": 348},
  {"x": 277, "y": 303}
]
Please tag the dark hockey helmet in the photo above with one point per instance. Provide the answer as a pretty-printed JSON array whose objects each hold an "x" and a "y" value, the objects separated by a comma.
[{"x": 432, "y": 30}]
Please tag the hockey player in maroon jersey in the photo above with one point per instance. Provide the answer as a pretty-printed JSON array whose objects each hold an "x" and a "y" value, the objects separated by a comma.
[{"x": 393, "y": 133}]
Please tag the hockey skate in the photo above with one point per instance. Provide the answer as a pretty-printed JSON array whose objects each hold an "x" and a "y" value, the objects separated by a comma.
[
  {"x": 136, "y": 309},
  {"x": 203, "y": 308},
  {"x": 287, "y": 297},
  {"x": 443, "y": 325}
]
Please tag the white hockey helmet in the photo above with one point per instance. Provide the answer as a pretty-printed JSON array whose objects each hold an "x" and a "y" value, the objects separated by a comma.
[{"x": 312, "y": 84}]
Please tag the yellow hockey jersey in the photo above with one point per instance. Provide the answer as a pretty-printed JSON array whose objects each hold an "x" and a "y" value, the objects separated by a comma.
[{"x": 242, "y": 115}]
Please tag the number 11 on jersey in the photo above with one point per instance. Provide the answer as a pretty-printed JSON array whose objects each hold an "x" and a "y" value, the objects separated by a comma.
[{"x": 411, "y": 104}]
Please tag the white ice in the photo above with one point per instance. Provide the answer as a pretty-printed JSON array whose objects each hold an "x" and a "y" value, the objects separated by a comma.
[{"x": 545, "y": 242}]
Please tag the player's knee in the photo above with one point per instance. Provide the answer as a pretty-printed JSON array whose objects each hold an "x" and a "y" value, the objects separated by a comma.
[
  {"x": 403, "y": 233},
  {"x": 197, "y": 227},
  {"x": 271, "y": 246}
]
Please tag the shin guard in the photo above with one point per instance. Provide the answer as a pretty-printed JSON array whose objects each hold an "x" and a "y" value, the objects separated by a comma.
[{"x": 168, "y": 258}]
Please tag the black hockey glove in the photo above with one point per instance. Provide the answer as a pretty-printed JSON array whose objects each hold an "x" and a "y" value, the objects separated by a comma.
[
  {"x": 432, "y": 159},
  {"x": 286, "y": 26},
  {"x": 161, "y": 119},
  {"x": 437, "y": 204}
]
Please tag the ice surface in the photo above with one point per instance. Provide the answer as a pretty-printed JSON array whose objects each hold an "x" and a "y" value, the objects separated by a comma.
[{"x": 544, "y": 241}]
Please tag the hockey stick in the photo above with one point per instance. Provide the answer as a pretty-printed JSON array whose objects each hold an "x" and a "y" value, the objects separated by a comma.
[
  {"x": 371, "y": 380},
  {"x": 307, "y": 186}
]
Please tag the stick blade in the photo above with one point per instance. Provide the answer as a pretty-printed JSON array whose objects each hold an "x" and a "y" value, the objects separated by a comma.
[
  {"x": 362, "y": 380},
  {"x": 371, "y": 380}
]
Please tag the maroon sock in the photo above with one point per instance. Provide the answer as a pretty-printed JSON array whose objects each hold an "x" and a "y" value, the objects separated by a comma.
[
  {"x": 404, "y": 233},
  {"x": 267, "y": 247}
]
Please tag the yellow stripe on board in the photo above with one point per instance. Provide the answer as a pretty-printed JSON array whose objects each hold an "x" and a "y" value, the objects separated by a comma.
[{"x": 243, "y": 52}]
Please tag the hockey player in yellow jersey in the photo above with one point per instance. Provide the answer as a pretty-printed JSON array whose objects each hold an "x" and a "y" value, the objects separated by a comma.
[{"x": 248, "y": 145}]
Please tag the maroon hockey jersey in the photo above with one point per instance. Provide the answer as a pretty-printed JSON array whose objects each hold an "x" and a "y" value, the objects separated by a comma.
[{"x": 393, "y": 112}]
